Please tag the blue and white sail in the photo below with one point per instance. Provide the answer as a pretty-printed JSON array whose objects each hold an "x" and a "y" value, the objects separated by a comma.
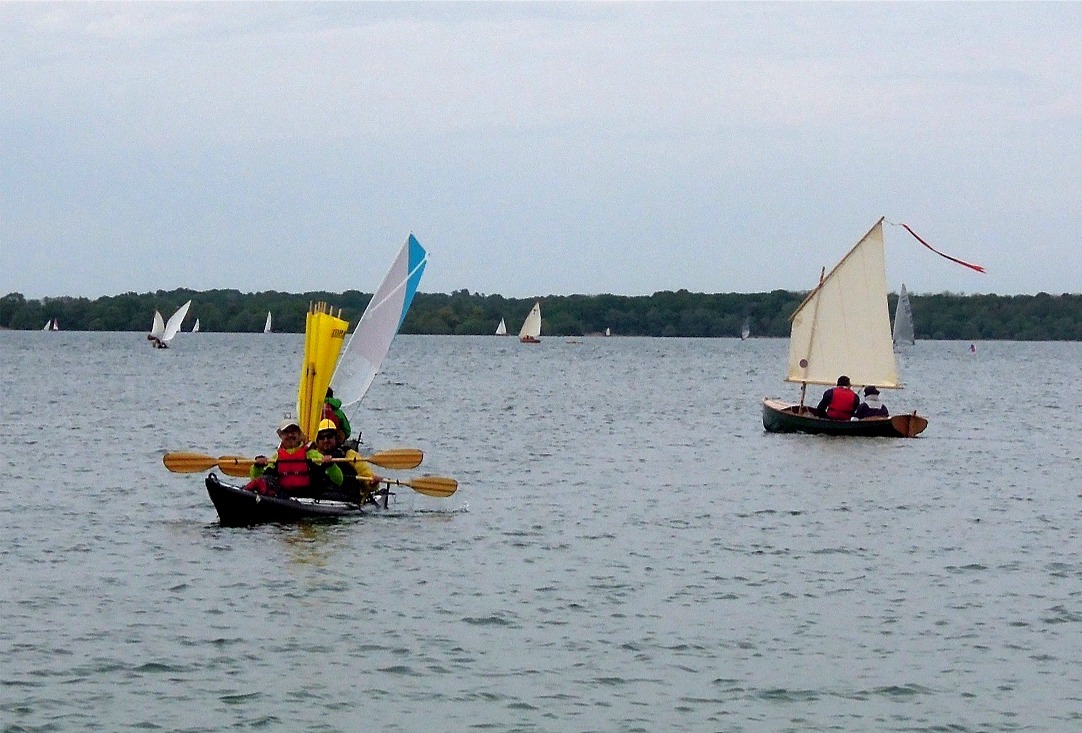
[{"x": 371, "y": 340}]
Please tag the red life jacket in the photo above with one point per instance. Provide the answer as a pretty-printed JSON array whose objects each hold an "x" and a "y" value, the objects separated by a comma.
[
  {"x": 293, "y": 473},
  {"x": 843, "y": 403}
]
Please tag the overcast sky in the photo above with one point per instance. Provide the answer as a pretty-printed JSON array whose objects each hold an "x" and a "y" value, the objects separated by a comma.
[{"x": 537, "y": 149}]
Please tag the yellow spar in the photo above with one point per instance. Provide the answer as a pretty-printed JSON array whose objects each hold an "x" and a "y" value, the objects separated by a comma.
[{"x": 324, "y": 334}]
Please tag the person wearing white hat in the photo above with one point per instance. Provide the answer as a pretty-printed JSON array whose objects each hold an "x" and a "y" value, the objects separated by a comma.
[{"x": 295, "y": 469}]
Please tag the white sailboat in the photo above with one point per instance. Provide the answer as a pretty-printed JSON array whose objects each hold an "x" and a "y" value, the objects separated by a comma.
[
  {"x": 48, "y": 325},
  {"x": 267, "y": 325},
  {"x": 501, "y": 330},
  {"x": 843, "y": 328},
  {"x": 530, "y": 333},
  {"x": 903, "y": 321},
  {"x": 608, "y": 331},
  {"x": 162, "y": 333},
  {"x": 195, "y": 328},
  {"x": 745, "y": 330}
]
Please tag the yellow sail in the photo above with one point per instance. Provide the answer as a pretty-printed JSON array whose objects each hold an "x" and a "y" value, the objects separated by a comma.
[
  {"x": 843, "y": 326},
  {"x": 324, "y": 334}
]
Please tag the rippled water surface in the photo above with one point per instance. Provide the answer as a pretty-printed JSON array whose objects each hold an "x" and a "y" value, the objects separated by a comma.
[{"x": 628, "y": 551}]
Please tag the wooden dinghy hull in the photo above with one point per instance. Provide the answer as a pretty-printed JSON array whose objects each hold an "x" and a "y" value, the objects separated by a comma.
[
  {"x": 783, "y": 417},
  {"x": 238, "y": 507}
]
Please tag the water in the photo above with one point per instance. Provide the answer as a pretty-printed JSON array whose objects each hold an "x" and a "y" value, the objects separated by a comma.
[{"x": 628, "y": 550}]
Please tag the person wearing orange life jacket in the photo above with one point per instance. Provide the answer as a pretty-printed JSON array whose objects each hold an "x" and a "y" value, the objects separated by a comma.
[
  {"x": 838, "y": 403},
  {"x": 295, "y": 469}
]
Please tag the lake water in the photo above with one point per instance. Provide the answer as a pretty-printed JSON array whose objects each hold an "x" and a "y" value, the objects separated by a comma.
[{"x": 628, "y": 550}]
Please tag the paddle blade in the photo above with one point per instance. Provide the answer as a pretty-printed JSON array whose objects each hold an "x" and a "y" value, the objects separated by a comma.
[
  {"x": 234, "y": 465},
  {"x": 397, "y": 458},
  {"x": 182, "y": 462},
  {"x": 437, "y": 486}
]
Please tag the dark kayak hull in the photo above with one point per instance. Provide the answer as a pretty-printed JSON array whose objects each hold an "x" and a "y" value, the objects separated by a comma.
[
  {"x": 238, "y": 507},
  {"x": 781, "y": 417}
]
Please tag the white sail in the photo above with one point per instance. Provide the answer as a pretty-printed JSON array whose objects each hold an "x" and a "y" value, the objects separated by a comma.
[
  {"x": 531, "y": 327},
  {"x": 157, "y": 329},
  {"x": 501, "y": 330},
  {"x": 745, "y": 330},
  {"x": 172, "y": 326},
  {"x": 381, "y": 320},
  {"x": 843, "y": 326},
  {"x": 195, "y": 328},
  {"x": 267, "y": 325},
  {"x": 608, "y": 331},
  {"x": 56, "y": 325},
  {"x": 903, "y": 320},
  {"x": 49, "y": 325}
]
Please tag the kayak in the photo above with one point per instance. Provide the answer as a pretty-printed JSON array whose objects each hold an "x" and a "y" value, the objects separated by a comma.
[{"x": 239, "y": 507}]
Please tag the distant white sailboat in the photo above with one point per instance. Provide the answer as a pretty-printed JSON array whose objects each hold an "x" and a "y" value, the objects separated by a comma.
[
  {"x": 745, "y": 330},
  {"x": 49, "y": 325},
  {"x": 903, "y": 321},
  {"x": 531, "y": 327},
  {"x": 267, "y": 325},
  {"x": 501, "y": 330},
  {"x": 608, "y": 331},
  {"x": 195, "y": 328},
  {"x": 162, "y": 333}
]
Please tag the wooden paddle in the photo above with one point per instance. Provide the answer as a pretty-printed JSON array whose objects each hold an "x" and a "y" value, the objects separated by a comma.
[
  {"x": 183, "y": 462},
  {"x": 438, "y": 486}
]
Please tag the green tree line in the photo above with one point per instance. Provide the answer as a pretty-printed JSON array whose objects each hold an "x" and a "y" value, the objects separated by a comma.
[{"x": 1040, "y": 317}]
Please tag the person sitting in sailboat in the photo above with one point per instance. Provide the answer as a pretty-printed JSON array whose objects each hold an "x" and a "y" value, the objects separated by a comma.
[
  {"x": 871, "y": 406},
  {"x": 838, "y": 403},
  {"x": 355, "y": 478},
  {"x": 295, "y": 469}
]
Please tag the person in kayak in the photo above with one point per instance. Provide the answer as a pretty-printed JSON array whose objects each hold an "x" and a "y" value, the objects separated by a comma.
[
  {"x": 332, "y": 410},
  {"x": 295, "y": 469},
  {"x": 838, "y": 403},
  {"x": 358, "y": 481}
]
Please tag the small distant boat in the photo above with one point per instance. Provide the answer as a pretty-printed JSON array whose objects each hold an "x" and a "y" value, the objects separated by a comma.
[
  {"x": 162, "y": 333},
  {"x": 531, "y": 327},
  {"x": 745, "y": 330},
  {"x": 843, "y": 327},
  {"x": 973, "y": 348},
  {"x": 195, "y": 328},
  {"x": 501, "y": 330},
  {"x": 51, "y": 325},
  {"x": 608, "y": 331},
  {"x": 267, "y": 325},
  {"x": 903, "y": 321}
]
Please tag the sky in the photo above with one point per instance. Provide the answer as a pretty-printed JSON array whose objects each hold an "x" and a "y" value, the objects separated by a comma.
[{"x": 537, "y": 149}]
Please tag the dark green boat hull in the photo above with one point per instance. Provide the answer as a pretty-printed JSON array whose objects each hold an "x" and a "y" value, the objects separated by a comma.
[{"x": 781, "y": 417}]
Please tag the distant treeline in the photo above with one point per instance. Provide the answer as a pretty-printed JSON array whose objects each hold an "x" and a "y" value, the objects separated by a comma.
[{"x": 1040, "y": 317}]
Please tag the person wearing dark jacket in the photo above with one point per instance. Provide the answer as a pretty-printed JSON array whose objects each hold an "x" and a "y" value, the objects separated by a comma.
[
  {"x": 871, "y": 406},
  {"x": 838, "y": 403}
]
